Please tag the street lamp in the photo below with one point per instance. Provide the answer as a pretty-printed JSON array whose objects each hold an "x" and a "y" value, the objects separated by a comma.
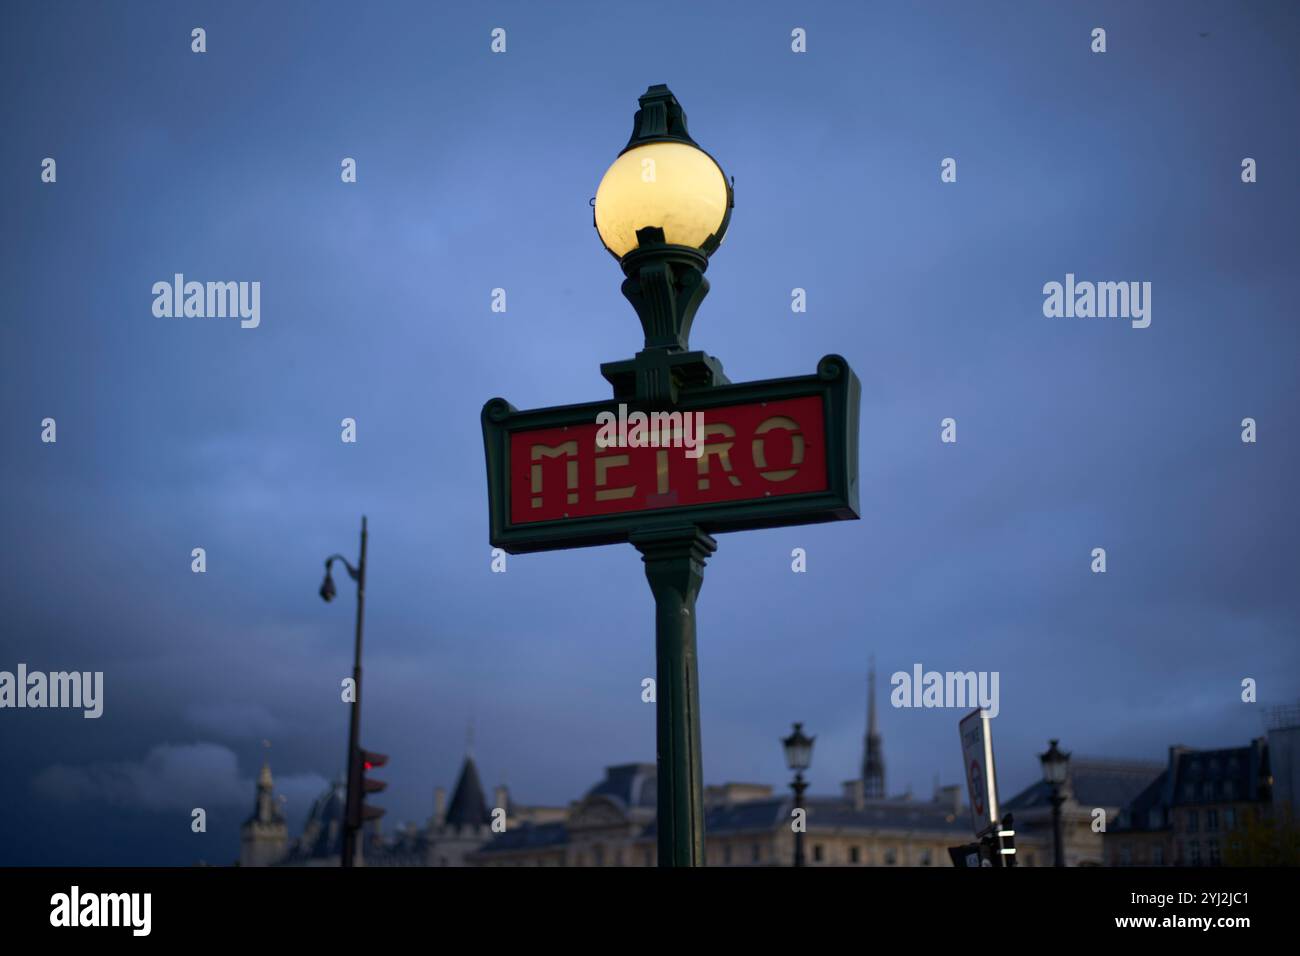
[
  {"x": 661, "y": 210},
  {"x": 798, "y": 757},
  {"x": 1056, "y": 768},
  {"x": 352, "y": 815}
]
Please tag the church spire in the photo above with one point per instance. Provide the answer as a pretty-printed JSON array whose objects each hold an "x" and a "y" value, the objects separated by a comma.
[
  {"x": 264, "y": 836},
  {"x": 264, "y": 808},
  {"x": 871, "y": 697},
  {"x": 873, "y": 755}
]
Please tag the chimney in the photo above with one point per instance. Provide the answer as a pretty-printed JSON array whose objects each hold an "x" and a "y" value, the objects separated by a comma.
[
  {"x": 951, "y": 797},
  {"x": 855, "y": 792},
  {"x": 439, "y": 806},
  {"x": 501, "y": 798}
]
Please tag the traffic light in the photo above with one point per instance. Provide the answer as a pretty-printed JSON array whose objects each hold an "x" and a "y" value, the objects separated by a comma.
[
  {"x": 364, "y": 761},
  {"x": 370, "y": 761}
]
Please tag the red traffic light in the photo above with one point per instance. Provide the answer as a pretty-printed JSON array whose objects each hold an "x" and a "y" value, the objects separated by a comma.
[
  {"x": 360, "y": 784},
  {"x": 369, "y": 761}
]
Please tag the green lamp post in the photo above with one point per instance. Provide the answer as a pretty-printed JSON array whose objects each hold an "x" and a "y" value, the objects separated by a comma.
[
  {"x": 798, "y": 757},
  {"x": 1056, "y": 771},
  {"x": 662, "y": 209}
]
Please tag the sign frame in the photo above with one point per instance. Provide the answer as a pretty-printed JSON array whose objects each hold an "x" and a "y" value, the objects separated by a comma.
[
  {"x": 834, "y": 382},
  {"x": 977, "y": 755}
]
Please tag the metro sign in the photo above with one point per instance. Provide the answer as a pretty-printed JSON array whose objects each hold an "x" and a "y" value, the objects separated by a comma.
[{"x": 775, "y": 452}]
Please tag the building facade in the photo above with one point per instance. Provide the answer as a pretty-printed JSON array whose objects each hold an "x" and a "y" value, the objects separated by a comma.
[
  {"x": 744, "y": 825},
  {"x": 1198, "y": 811},
  {"x": 1095, "y": 791}
]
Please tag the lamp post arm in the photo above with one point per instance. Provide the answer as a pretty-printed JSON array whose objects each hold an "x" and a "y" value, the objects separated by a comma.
[{"x": 353, "y": 573}]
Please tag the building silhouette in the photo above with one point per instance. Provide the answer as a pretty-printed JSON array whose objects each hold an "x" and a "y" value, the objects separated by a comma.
[
  {"x": 613, "y": 824},
  {"x": 1200, "y": 807}
]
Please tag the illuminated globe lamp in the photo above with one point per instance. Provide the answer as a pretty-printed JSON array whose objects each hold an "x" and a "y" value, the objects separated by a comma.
[{"x": 662, "y": 208}]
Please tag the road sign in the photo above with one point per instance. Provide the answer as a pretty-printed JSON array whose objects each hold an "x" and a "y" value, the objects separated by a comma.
[
  {"x": 981, "y": 777},
  {"x": 774, "y": 452}
]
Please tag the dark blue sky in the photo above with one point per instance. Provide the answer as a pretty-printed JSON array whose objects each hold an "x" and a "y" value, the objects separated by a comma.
[{"x": 474, "y": 172}]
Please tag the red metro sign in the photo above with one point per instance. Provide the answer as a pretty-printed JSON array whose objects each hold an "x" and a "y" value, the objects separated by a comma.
[
  {"x": 760, "y": 454},
  {"x": 741, "y": 452}
]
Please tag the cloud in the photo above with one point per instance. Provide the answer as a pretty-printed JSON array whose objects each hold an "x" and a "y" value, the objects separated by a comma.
[
  {"x": 234, "y": 720},
  {"x": 170, "y": 777}
]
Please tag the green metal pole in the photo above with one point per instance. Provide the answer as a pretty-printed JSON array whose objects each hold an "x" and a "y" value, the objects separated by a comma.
[
  {"x": 674, "y": 565},
  {"x": 352, "y": 805}
]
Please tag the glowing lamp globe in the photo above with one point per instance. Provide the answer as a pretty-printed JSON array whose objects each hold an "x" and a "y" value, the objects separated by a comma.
[
  {"x": 673, "y": 186},
  {"x": 662, "y": 189}
]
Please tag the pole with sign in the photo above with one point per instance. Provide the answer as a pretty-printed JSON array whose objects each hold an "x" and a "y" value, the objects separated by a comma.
[
  {"x": 981, "y": 777},
  {"x": 701, "y": 456}
]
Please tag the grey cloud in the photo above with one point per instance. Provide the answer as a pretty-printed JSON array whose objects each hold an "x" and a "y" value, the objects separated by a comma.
[{"x": 170, "y": 777}]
